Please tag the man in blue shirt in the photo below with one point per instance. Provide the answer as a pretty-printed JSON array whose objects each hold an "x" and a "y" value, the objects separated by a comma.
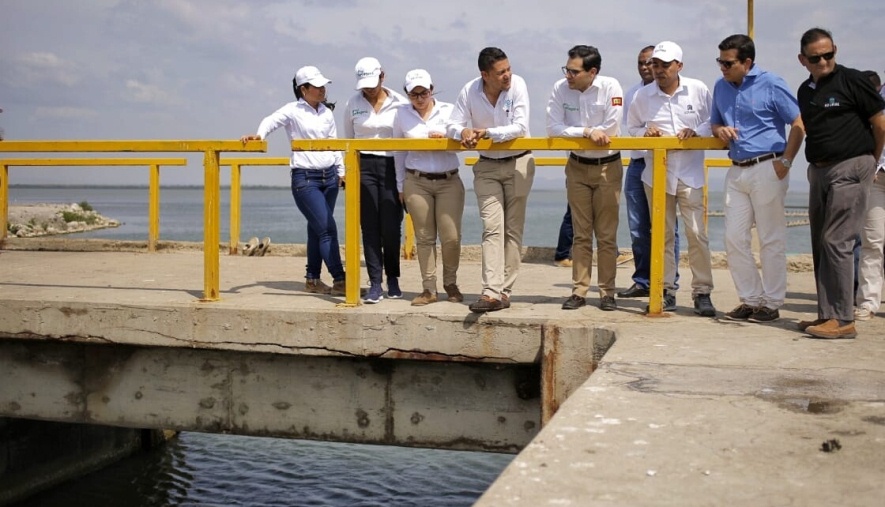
[{"x": 751, "y": 108}]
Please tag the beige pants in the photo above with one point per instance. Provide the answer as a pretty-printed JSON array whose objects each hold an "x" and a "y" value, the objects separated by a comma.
[
  {"x": 436, "y": 208},
  {"x": 502, "y": 191},
  {"x": 594, "y": 194},
  {"x": 691, "y": 207}
]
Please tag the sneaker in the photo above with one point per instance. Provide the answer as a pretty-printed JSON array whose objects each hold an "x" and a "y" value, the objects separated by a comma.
[
  {"x": 339, "y": 288},
  {"x": 741, "y": 312},
  {"x": 393, "y": 290},
  {"x": 703, "y": 306},
  {"x": 608, "y": 304},
  {"x": 425, "y": 298},
  {"x": 486, "y": 304},
  {"x": 562, "y": 263},
  {"x": 862, "y": 312},
  {"x": 316, "y": 286},
  {"x": 831, "y": 330},
  {"x": 765, "y": 314},
  {"x": 669, "y": 303},
  {"x": 574, "y": 302},
  {"x": 374, "y": 295},
  {"x": 635, "y": 291},
  {"x": 505, "y": 300},
  {"x": 453, "y": 293}
]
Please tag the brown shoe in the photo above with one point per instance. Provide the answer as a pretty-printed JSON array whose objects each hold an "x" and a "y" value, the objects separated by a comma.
[
  {"x": 316, "y": 286},
  {"x": 453, "y": 293},
  {"x": 805, "y": 324},
  {"x": 505, "y": 300},
  {"x": 425, "y": 298},
  {"x": 339, "y": 288},
  {"x": 831, "y": 330},
  {"x": 486, "y": 304},
  {"x": 562, "y": 263}
]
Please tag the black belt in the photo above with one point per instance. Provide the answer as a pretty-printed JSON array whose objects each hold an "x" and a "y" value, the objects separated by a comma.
[
  {"x": 372, "y": 155},
  {"x": 505, "y": 159},
  {"x": 753, "y": 161},
  {"x": 433, "y": 176},
  {"x": 595, "y": 161}
]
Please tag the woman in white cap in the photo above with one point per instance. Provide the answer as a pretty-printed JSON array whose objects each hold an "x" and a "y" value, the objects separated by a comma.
[
  {"x": 430, "y": 187},
  {"x": 316, "y": 175},
  {"x": 369, "y": 115}
]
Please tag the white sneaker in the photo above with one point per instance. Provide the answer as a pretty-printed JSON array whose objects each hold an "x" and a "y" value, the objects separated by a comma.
[{"x": 862, "y": 313}]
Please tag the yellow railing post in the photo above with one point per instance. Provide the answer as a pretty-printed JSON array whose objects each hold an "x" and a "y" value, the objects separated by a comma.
[
  {"x": 234, "y": 245},
  {"x": 211, "y": 217},
  {"x": 4, "y": 199},
  {"x": 154, "y": 208},
  {"x": 409, "y": 241},
  {"x": 352, "y": 226},
  {"x": 658, "y": 230}
]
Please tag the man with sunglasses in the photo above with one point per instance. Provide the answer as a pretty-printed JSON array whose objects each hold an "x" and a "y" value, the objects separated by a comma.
[
  {"x": 680, "y": 107},
  {"x": 845, "y": 126},
  {"x": 751, "y": 108},
  {"x": 586, "y": 104}
]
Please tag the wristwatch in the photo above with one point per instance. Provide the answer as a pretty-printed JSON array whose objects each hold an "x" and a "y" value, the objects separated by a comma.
[{"x": 787, "y": 162}]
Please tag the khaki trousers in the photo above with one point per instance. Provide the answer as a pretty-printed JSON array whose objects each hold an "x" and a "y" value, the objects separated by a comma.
[
  {"x": 502, "y": 191},
  {"x": 436, "y": 207},
  {"x": 594, "y": 195}
]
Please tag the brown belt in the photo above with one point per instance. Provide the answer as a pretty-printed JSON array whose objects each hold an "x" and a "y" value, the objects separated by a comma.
[{"x": 433, "y": 176}]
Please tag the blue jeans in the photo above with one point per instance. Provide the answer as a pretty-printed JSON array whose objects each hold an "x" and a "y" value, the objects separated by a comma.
[
  {"x": 639, "y": 221},
  {"x": 315, "y": 193},
  {"x": 566, "y": 237}
]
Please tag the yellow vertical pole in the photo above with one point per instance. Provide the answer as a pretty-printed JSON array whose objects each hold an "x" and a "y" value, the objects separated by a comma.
[
  {"x": 409, "y": 243},
  {"x": 211, "y": 216},
  {"x": 154, "y": 208},
  {"x": 750, "y": 23},
  {"x": 4, "y": 199},
  {"x": 352, "y": 226},
  {"x": 234, "y": 245},
  {"x": 658, "y": 230},
  {"x": 706, "y": 196}
]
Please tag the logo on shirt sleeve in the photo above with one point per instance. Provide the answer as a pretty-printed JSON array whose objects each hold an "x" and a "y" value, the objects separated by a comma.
[{"x": 617, "y": 101}]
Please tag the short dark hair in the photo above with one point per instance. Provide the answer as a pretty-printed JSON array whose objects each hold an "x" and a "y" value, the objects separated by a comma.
[
  {"x": 488, "y": 57},
  {"x": 743, "y": 43},
  {"x": 300, "y": 95},
  {"x": 647, "y": 48},
  {"x": 589, "y": 54},
  {"x": 873, "y": 76},
  {"x": 813, "y": 35}
]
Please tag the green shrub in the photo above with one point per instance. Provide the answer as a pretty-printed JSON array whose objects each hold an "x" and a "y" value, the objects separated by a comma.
[
  {"x": 85, "y": 206},
  {"x": 74, "y": 216}
]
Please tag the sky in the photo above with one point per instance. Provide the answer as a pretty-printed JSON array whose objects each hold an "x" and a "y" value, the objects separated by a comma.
[{"x": 212, "y": 69}]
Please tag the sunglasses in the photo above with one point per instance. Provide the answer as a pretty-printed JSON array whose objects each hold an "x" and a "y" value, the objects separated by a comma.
[
  {"x": 816, "y": 58},
  {"x": 727, "y": 64},
  {"x": 571, "y": 72}
]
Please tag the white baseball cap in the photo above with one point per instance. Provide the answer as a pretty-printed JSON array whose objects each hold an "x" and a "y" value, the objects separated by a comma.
[
  {"x": 368, "y": 73},
  {"x": 416, "y": 78},
  {"x": 312, "y": 75},
  {"x": 667, "y": 52}
]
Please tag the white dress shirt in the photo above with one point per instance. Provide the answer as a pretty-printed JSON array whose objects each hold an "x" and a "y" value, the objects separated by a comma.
[
  {"x": 304, "y": 122},
  {"x": 507, "y": 119},
  {"x": 689, "y": 107},
  {"x": 361, "y": 121},
  {"x": 409, "y": 124},
  {"x": 598, "y": 107},
  {"x": 628, "y": 99}
]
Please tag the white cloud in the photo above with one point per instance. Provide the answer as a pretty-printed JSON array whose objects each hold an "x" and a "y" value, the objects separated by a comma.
[{"x": 141, "y": 92}]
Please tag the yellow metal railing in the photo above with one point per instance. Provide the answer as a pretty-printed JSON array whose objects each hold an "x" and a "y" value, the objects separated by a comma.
[
  {"x": 659, "y": 145},
  {"x": 211, "y": 150},
  {"x": 153, "y": 189}
]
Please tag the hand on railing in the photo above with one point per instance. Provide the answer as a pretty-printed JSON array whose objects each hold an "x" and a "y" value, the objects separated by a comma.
[{"x": 249, "y": 137}]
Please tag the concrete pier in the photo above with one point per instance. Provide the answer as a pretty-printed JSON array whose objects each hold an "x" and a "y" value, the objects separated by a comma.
[{"x": 682, "y": 410}]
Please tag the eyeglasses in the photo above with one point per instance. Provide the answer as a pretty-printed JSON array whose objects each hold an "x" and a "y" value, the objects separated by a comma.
[
  {"x": 422, "y": 95},
  {"x": 571, "y": 72},
  {"x": 726, "y": 63},
  {"x": 816, "y": 58},
  {"x": 662, "y": 65}
]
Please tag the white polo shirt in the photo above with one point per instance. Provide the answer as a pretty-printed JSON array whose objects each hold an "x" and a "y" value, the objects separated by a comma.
[
  {"x": 598, "y": 107},
  {"x": 409, "y": 124},
  {"x": 362, "y": 122},
  {"x": 628, "y": 99},
  {"x": 689, "y": 107},
  {"x": 304, "y": 122},
  {"x": 507, "y": 119}
]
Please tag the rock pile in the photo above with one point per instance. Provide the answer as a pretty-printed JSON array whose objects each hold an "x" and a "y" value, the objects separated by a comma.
[{"x": 32, "y": 220}]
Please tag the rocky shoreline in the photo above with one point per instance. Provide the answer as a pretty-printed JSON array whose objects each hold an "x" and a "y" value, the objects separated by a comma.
[{"x": 35, "y": 220}]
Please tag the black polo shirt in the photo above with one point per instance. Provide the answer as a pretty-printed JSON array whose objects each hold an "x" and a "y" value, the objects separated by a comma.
[{"x": 836, "y": 112}]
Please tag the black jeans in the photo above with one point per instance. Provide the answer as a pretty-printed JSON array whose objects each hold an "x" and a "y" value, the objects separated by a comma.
[{"x": 381, "y": 216}]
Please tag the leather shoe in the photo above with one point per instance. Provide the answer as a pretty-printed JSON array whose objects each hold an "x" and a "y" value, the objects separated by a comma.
[
  {"x": 574, "y": 302},
  {"x": 608, "y": 304},
  {"x": 805, "y": 324},
  {"x": 635, "y": 291},
  {"x": 486, "y": 304},
  {"x": 831, "y": 330}
]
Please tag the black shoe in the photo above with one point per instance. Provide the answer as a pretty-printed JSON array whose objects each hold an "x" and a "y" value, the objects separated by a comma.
[
  {"x": 669, "y": 303},
  {"x": 635, "y": 291},
  {"x": 486, "y": 304},
  {"x": 574, "y": 302},
  {"x": 764, "y": 314},
  {"x": 741, "y": 312},
  {"x": 608, "y": 304},
  {"x": 703, "y": 306}
]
